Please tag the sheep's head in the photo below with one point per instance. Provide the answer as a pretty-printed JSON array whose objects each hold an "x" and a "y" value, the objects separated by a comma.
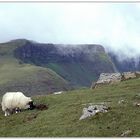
[{"x": 31, "y": 105}]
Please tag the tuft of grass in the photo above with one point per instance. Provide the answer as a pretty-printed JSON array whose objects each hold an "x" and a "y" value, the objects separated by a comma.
[{"x": 62, "y": 117}]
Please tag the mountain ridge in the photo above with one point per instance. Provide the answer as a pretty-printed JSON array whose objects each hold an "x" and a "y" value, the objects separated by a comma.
[
  {"x": 67, "y": 66},
  {"x": 70, "y": 62}
]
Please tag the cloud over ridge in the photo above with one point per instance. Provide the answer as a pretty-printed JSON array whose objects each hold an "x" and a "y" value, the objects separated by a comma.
[{"x": 113, "y": 25}]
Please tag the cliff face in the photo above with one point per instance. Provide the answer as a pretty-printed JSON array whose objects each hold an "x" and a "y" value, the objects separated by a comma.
[{"x": 79, "y": 64}]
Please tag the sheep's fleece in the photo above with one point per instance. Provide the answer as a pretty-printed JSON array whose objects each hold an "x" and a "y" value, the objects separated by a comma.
[{"x": 13, "y": 100}]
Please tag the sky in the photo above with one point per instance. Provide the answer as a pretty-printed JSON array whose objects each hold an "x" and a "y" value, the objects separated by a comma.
[{"x": 116, "y": 26}]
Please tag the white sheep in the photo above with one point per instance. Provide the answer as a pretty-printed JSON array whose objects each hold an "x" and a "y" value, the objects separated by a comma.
[{"x": 13, "y": 100}]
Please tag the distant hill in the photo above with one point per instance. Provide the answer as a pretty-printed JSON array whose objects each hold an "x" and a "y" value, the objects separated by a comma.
[
  {"x": 79, "y": 64},
  {"x": 28, "y": 78}
]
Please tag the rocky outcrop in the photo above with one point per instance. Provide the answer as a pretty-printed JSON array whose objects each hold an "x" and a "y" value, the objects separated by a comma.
[
  {"x": 93, "y": 110},
  {"x": 107, "y": 78},
  {"x": 111, "y": 78},
  {"x": 128, "y": 75}
]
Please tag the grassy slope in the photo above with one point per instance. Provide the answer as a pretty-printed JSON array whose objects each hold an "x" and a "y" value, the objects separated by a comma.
[
  {"x": 83, "y": 73},
  {"x": 62, "y": 117},
  {"x": 77, "y": 73},
  {"x": 15, "y": 75}
]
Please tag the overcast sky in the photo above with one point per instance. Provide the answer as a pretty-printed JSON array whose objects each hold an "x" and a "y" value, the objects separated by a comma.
[{"x": 113, "y": 25}]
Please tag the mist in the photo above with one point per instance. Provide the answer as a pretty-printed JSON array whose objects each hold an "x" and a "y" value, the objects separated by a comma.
[{"x": 115, "y": 26}]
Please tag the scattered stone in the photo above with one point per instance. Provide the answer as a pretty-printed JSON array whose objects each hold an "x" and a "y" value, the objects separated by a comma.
[
  {"x": 136, "y": 104},
  {"x": 121, "y": 101},
  {"x": 93, "y": 110},
  {"x": 126, "y": 133},
  {"x": 59, "y": 92}
]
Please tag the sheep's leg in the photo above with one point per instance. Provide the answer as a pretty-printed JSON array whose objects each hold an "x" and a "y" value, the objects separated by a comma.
[{"x": 6, "y": 113}]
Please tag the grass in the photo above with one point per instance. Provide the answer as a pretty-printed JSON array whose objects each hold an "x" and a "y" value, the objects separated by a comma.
[
  {"x": 75, "y": 73},
  {"x": 15, "y": 76},
  {"x": 62, "y": 117},
  {"x": 28, "y": 78}
]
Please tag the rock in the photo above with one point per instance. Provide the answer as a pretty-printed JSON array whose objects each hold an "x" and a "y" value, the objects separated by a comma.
[
  {"x": 93, "y": 85},
  {"x": 107, "y": 78},
  {"x": 136, "y": 104},
  {"x": 137, "y": 74},
  {"x": 93, "y": 110},
  {"x": 121, "y": 101},
  {"x": 111, "y": 78},
  {"x": 59, "y": 92},
  {"x": 86, "y": 114},
  {"x": 128, "y": 75},
  {"x": 126, "y": 133}
]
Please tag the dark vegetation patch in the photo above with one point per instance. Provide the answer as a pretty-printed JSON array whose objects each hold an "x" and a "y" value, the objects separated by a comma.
[
  {"x": 41, "y": 107},
  {"x": 30, "y": 117}
]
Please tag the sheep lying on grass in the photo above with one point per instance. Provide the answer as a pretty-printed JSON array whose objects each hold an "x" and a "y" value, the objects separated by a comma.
[{"x": 15, "y": 101}]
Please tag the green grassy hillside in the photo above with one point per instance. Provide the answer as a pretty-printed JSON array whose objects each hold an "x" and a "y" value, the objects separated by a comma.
[
  {"x": 62, "y": 117},
  {"x": 78, "y": 74},
  {"x": 18, "y": 76}
]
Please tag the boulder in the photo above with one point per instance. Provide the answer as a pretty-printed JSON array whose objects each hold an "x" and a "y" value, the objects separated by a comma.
[
  {"x": 137, "y": 104},
  {"x": 137, "y": 74},
  {"x": 93, "y": 110},
  {"x": 107, "y": 78},
  {"x": 127, "y": 133},
  {"x": 128, "y": 75},
  {"x": 111, "y": 78}
]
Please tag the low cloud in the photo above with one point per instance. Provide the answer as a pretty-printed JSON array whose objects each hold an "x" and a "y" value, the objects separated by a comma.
[{"x": 113, "y": 25}]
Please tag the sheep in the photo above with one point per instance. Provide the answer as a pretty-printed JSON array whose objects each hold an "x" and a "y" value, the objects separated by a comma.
[{"x": 15, "y": 101}]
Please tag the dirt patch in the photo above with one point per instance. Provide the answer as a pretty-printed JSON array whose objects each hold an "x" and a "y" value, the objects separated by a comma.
[
  {"x": 30, "y": 117},
  {"x": 41, "y": 107}
]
